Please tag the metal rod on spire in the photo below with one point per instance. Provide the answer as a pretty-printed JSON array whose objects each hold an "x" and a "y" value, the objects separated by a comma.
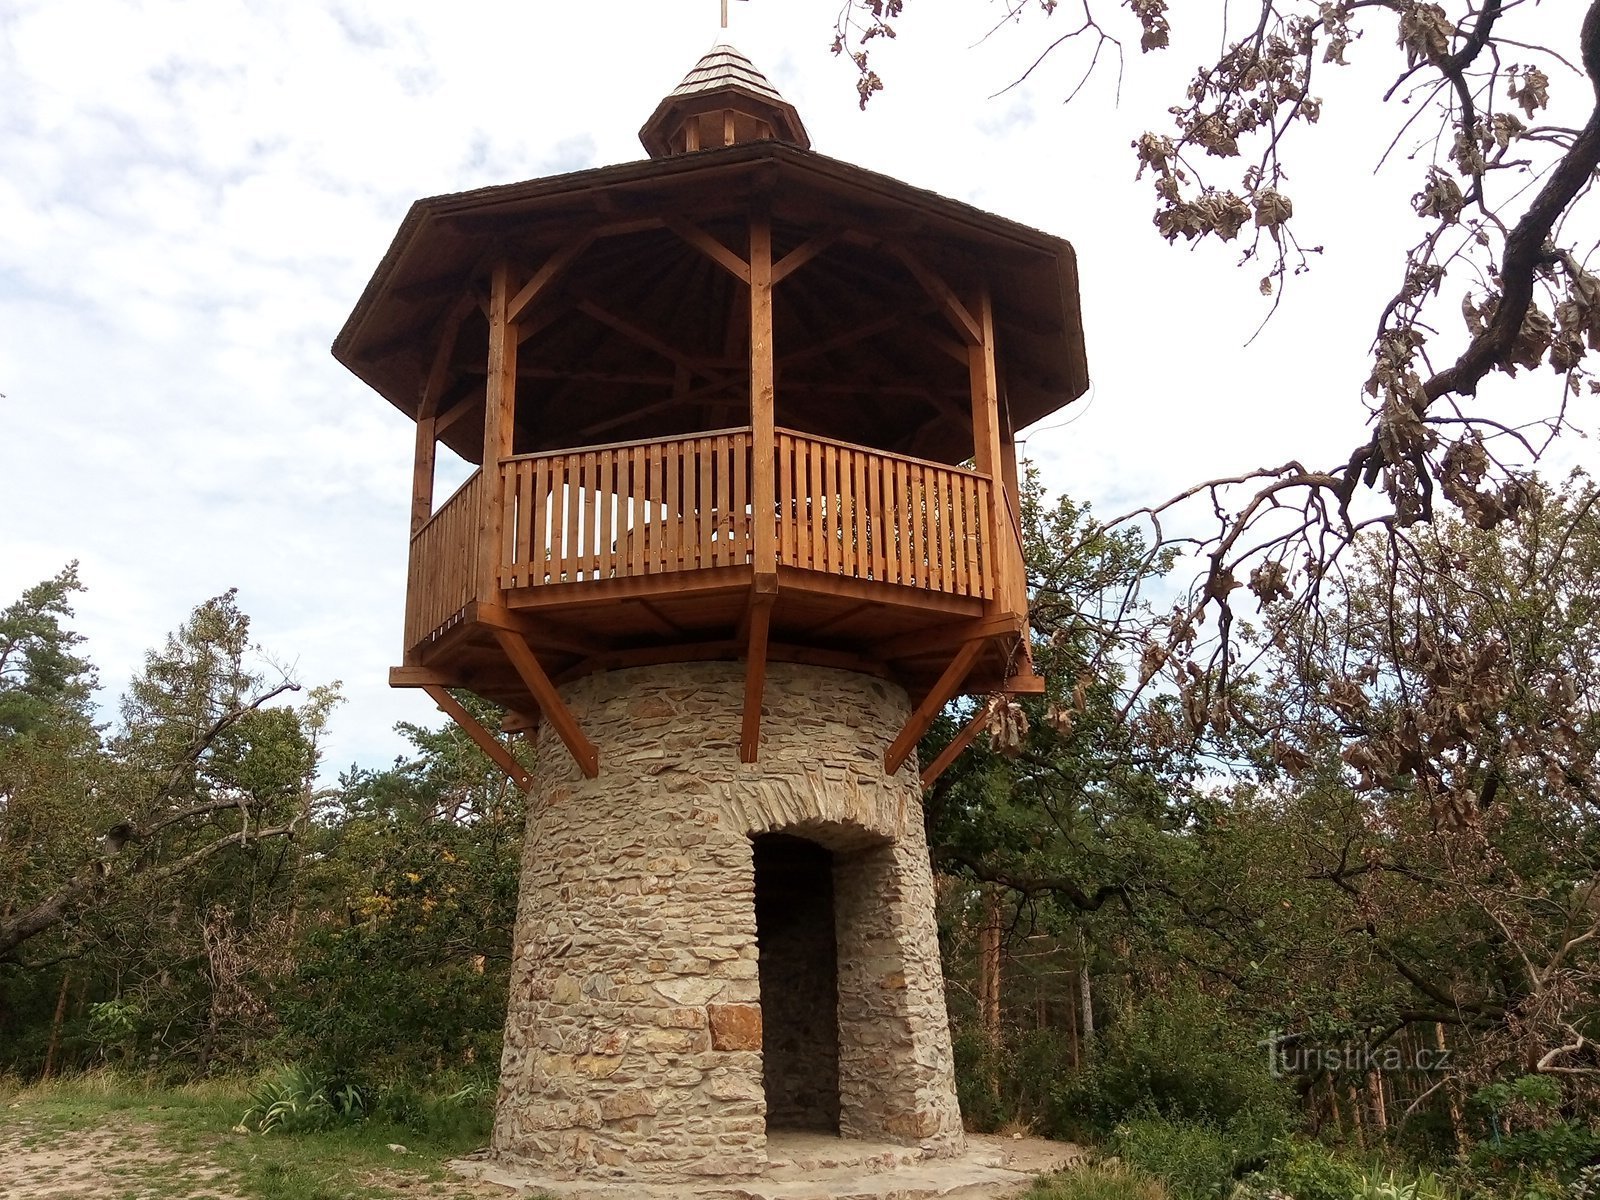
[{"x": 724, "y": 14}]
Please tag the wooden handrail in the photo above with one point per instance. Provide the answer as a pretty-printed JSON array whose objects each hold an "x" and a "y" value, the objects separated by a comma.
[
  {"x": 907, "y": 458},
  {"x": 673, "y": 437},
  {"x": 442, "y": 575},
  {"x": 687, "y": 502}
]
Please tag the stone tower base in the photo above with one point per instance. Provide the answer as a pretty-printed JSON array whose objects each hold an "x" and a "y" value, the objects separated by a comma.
[{"x": 706, "y": 949}]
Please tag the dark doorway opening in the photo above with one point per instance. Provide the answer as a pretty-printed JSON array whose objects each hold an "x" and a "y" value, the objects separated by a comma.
[{"x": 799, "y": 972}]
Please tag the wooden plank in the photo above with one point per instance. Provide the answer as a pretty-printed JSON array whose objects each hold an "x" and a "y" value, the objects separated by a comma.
[
  {"x": 487, "y": 742},
  {"x": 763, "y": 417},
  {"x": 539, "y": 541},
  {"x": 555, "y": 267},
  {"x": 858, "y": 496},
  {"x": 544, "y": 693},
  {"x": 953, "y": 751},
  {"x": 639, "y": 530},
  {"x": 606, "y": 553},
  {"x": 508, "y": 525},
  {"x": 788, "y": 514},
  {"x": 962, "y": 491},
  {"x": 722, "y": 476},
  {"x": 672, "y": 545},
  {"x": 816, "y": 552},
  {"x": 922, "y": 717},
  {"x": 743, "y": 513},
  {"x": 558, "y": 517},
  {"x": 986, "y": 541},
  {"x": 710, "y": 247},
  {"x": 828, "y": 510},
  {"x": 938, "y": 526},
  {"x": 591, "y": 514},
  {"x": 657, "y": 538},
  {"x": 875, "y": 510},
  {"x": 571, "y": 547}
]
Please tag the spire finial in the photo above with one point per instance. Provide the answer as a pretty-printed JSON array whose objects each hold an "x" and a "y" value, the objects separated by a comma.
[{"x": 724, "y": 14}]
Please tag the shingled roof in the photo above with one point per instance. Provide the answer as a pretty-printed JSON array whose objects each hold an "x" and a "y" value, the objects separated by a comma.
[{"x": 723, "y": 79}]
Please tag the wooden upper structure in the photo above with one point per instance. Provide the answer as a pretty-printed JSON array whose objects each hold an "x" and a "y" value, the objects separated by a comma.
[{"x": 737, "y": 401}]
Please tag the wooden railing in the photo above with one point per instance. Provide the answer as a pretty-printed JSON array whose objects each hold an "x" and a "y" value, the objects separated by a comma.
[
  {"x": 685, "y": 504},
  {"x": 865, "y": 514},
  {"x": 611, "y": 512},
  {"x": 443, "y": 574}
]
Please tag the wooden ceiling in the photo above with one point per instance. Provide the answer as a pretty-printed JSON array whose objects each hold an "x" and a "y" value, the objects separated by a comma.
[{"x": 646, "y": 336}]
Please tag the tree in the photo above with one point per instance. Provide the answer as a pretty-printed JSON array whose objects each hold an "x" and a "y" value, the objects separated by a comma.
[
  {"x": 1501, "y": 187},
  {"x": 202, "y": 762}
]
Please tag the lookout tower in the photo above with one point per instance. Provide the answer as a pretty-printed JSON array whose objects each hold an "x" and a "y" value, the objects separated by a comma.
[{"x": 743, "y": 520}]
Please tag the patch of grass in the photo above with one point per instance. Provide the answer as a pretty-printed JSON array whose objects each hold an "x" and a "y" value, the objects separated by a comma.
[{"x": 1098, "y": 1182}]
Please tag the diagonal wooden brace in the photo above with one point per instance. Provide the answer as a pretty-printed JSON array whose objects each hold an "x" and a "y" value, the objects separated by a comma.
[
  {"x": 957, "y": 746},
  {"x": 487, "y": 742},
  {"x": 526, "y": 664},
  {"x": 940, "y": 695}
]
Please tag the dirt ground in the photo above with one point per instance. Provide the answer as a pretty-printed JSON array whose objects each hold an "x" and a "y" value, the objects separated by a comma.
[
  {"x": 120, "y": 1159},
  {"x": 125, "y": 1159}
]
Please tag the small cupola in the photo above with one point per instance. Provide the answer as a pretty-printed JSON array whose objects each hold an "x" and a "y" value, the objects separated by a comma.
[{"x": 723, "y": 101}]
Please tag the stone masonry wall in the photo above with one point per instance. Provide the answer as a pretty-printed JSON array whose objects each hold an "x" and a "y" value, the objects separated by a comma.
[{"x": 634, "y": 1031}]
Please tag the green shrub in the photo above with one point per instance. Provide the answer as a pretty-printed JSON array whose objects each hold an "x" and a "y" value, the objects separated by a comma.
[
  {"x": 296, "y": 1099},
  {"x": 1098, "y": 1182},
  {"x": 1195, "y": 1160},
  {"x": 1310, "y": 1171},
  {"x": 1180, "y": 1058}
]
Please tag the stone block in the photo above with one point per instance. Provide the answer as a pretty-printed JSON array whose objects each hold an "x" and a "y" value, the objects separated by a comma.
[
  {"x": 735, "y": 1026},
  {"x": 630, "y": 1102}
]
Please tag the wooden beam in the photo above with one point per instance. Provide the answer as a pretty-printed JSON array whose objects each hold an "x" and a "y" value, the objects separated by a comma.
[
  {"x": 763, "y": 435},
  {"x": 555, "y": 635},
  {"x": 499, "y": 427},
  {"x": 762, "y": 596},
  {"x": 487, "y": 742},
  {"x": 526, "y": 665},
  {"x": 450, "y": 416},
  {"x": 802, "y": 254},
  {"x": 554, "y": 267},
  {"x": 421, "y": 677},
  {"x": 987, "y": 453},
  {"x": 428, "y": 429},
  {"x": 965, "y": 323},
  {"x": 922, "y": 717},
  {"x": 959, "y": 743},
  {"x": 710, "y": 247},
  {"x": 909, "y": 645}
]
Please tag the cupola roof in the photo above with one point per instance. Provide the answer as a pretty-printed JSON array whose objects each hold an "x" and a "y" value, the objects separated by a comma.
[{"x": 723, "y": 101}]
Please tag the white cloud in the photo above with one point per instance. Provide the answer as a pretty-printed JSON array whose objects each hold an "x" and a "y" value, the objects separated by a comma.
[{"x": 193, "y": 192}]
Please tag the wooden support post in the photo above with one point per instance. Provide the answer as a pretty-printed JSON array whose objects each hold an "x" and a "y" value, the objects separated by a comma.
[
  {"x": 762, "y": 596},
  {"x": 487, "y": 742},
  {"x": 763, "y": 415},
  {"x": 957, "y": 746},
  {"x": 550, "y": 703},
  {"x": 986, "y": 449},
  {"x": 422, "y": 474},
  {"x": 925, "y": 713},
  {"x": 499, "y": 423}
]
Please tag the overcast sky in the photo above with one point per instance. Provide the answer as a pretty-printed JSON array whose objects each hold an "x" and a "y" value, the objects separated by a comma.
[{"x": 192, "y": 195}]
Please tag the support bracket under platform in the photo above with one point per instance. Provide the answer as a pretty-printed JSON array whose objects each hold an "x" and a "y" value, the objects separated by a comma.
[
  {"x": 759, "y": 618},
  {"x": 487, "y": 742},
  {"x": 554, "y": 708},
  {"x": 938, "y": 696}
]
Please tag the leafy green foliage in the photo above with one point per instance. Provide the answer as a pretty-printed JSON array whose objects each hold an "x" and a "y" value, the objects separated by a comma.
[
  {"x": 1195, "y": 1161},
  {"x": 1098, "y": 1182}
]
